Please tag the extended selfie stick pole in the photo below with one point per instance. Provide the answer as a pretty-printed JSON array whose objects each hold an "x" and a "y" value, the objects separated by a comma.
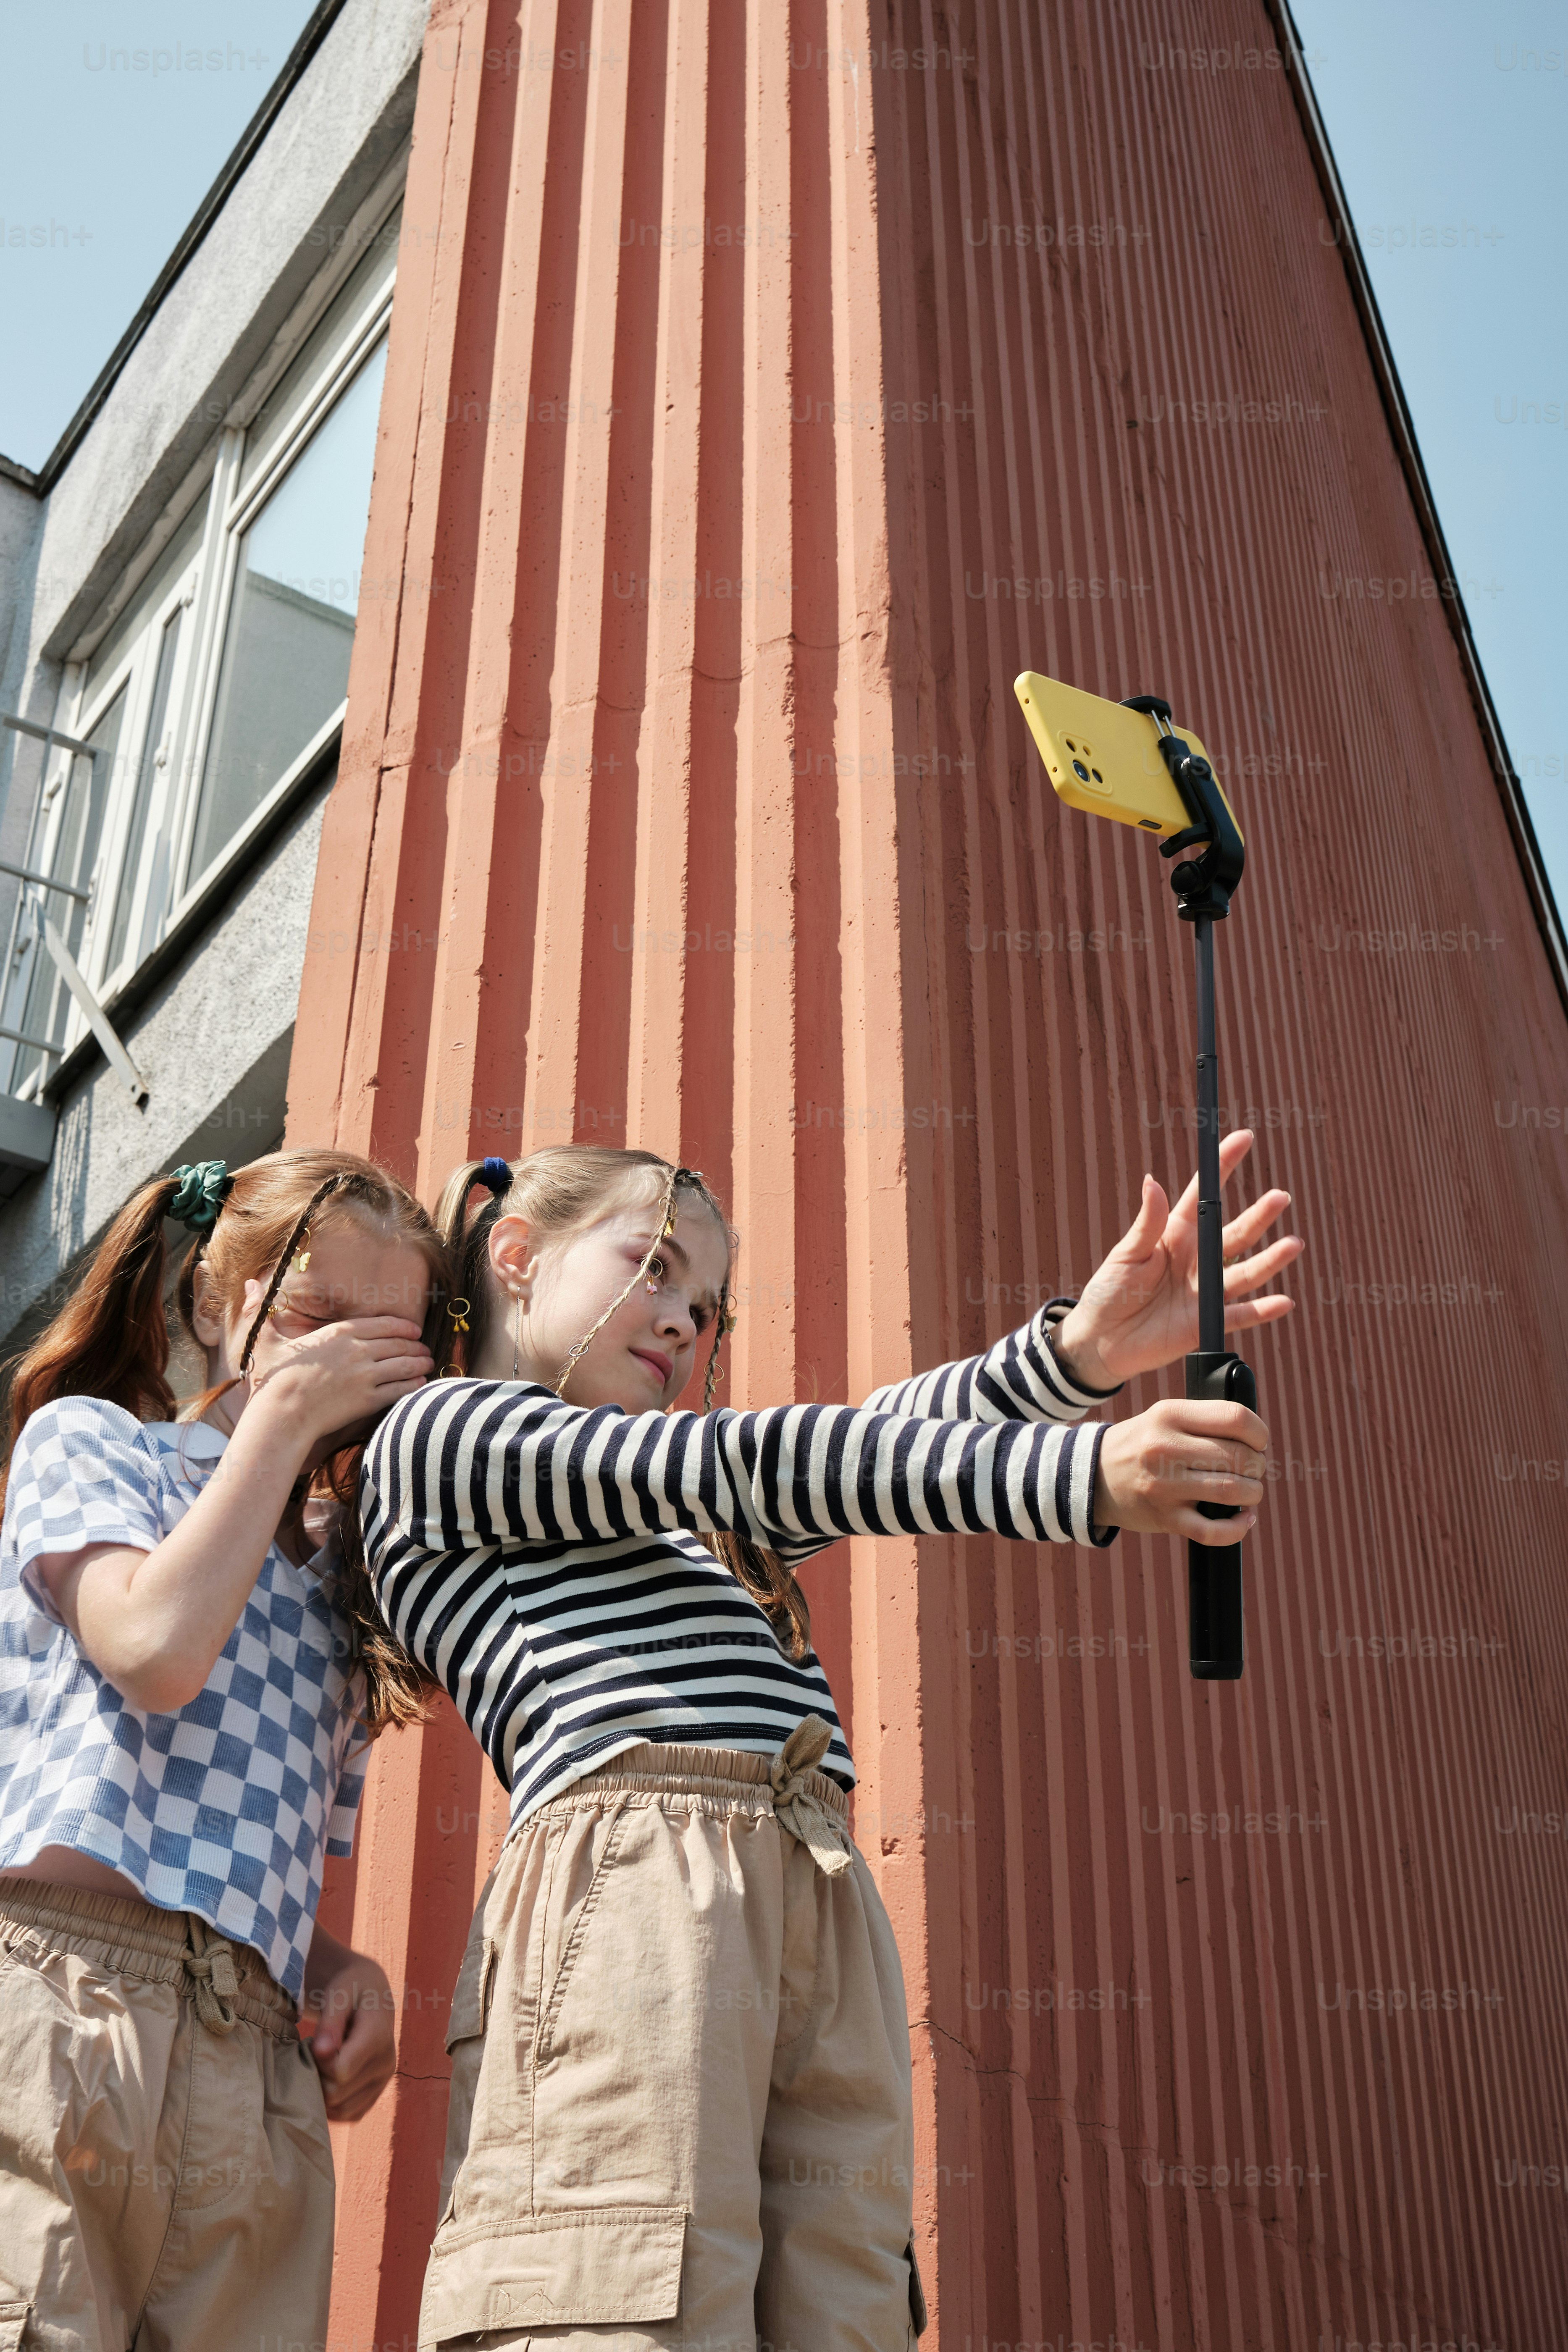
[{"x": 1203, "y": 886}]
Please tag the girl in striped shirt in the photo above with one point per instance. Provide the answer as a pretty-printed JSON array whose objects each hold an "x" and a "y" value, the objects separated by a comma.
[{"x": 681, "y": 2101}]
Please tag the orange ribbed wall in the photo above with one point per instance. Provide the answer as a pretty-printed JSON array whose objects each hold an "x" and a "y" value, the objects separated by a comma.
[{"x": 735, "y": 454}]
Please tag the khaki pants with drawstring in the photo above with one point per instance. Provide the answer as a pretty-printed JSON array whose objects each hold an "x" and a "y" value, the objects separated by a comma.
[
  {"x": 165, "y": 2173},
  {"x": 680, "y": 2108}
]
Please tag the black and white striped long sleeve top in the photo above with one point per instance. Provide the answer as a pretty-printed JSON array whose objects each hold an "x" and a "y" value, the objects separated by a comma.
[{"x": 541, "y": 1560}]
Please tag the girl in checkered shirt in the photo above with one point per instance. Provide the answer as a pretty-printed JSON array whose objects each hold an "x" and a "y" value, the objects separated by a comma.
[{"x": 191, "y": 1668}]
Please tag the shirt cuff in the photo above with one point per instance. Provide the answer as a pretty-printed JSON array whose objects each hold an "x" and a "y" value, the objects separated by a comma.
[
  {"x": 1053, "y": 1312},
  {"x": 1098, "y": 1535},
  {"x": 41, "y": 1549}
]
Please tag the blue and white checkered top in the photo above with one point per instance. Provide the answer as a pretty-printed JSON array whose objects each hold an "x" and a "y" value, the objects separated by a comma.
[{"x": 228, "y": 1807}]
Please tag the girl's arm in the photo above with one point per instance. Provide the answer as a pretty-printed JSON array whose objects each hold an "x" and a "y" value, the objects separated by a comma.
[
  {"x": 1021, "y": 1378},
  {"x": 478, "y": 1462},
  {"x": 154, "y": 1619},
  {"x": 481, "y": 1465}
]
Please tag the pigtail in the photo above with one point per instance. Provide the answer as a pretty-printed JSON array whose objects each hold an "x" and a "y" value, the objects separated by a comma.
[
  {"x": 466, "y": 1240},
  {"x": 398, "y": 1690},
  {"x": 111, "y": 1340},
  {"x": 773, "y": 1585}
]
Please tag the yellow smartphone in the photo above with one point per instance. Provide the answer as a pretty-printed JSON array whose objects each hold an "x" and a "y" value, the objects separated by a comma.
[{"x": 1102, "y": 757}]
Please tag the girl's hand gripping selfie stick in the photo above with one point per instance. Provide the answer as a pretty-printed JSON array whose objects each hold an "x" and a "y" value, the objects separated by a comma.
[{"x": 1096, "y": 764}]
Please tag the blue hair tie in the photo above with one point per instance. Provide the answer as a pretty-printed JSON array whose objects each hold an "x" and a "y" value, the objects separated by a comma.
[{"x": 496, "y": 1174}]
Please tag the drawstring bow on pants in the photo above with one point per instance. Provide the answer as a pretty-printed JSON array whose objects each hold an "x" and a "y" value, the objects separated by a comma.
[
  {"x": 802, "y": 1814},
  {"x": 209, "y": 1963}
]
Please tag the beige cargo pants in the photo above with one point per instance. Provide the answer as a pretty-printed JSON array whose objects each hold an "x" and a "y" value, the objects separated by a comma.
[
  {"x": 166, "y": 2172},
  {"x": 681, "y": 2107}
]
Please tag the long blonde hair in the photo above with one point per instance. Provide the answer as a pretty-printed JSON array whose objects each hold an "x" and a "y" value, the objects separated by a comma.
[{"x": 560, "y": 1190}]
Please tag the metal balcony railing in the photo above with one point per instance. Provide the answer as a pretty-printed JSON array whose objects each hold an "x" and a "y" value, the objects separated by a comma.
[{"x": 26, "y": 1121}]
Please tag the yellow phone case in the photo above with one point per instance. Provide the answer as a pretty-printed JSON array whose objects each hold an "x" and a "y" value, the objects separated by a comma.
[{"x": 1103, "y": 758}]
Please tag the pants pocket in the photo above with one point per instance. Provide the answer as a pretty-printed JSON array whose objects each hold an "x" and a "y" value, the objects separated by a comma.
[
  {"x": 465, "y": 2048},
  {"x": 471, "y": 1994},
  {"x": 576, "y": 1926},
  {"x": 588, "y": 2267},
  {"x": 227, "y": 2150}
]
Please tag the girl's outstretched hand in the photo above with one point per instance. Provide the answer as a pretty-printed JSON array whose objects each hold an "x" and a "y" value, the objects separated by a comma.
[{"x": 1139, "y": 1310}]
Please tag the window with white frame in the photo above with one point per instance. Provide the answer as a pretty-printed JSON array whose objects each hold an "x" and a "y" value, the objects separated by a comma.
[{"x": 217, "y": 688}]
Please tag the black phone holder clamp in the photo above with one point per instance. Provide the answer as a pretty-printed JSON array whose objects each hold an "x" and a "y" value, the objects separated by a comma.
[{"x": 1203, "y": 886}]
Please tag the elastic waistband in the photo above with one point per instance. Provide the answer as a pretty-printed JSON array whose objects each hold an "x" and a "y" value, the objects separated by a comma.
[
  {"x": 721, "y": 1779},
  {"x": 227, "y": 1981},
  {"x": 716, "y": 1780}
]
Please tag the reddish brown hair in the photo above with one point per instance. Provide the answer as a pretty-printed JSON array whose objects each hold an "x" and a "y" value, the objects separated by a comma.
[{"x": 110, "y": 1341}]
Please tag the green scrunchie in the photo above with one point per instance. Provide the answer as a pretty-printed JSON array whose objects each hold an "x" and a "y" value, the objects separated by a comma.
[{"x": 203, "y": 1191}]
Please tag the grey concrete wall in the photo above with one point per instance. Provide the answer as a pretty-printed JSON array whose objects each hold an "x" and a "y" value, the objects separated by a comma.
[
  {"x": 213, "y": 1045},
  {"x": 213, "y": 1040},
  {"x": 21, "y": 516}
]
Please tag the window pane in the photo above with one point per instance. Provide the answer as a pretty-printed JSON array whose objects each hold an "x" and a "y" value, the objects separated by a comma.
[
  {"x": 86, "y": 791},
  {"x": 291, "y": 624},
  {"x": 181, "y": 551},
  {"x": 278, "y": 411},
  {"x": 146, "y": 780}
]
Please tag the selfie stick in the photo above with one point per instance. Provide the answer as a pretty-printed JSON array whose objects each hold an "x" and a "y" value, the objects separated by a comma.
[{"x": 1203, "y": 886}]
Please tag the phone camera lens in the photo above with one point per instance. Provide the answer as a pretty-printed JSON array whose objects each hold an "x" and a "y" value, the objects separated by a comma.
[
  {"x": 1079, "y": 770},
  {"x": 1097, "y": 777}
]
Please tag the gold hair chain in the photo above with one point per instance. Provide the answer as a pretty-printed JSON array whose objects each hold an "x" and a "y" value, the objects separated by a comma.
[{"x": 667, "y": 1225}]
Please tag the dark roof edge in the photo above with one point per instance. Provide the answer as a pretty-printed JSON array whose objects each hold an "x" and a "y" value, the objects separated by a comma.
[
  {"x": 294, "y": 67},
  {"x": 11, "y": 472},
  {"x": 1510, "y": 790}
]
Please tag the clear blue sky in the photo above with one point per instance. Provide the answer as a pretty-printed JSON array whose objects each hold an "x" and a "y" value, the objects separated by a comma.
[
  {"x": 1436, "y": 117},
  {"x": 106, "y": 162}
]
